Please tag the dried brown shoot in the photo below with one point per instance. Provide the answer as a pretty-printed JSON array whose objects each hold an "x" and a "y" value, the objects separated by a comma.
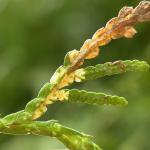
[{"x": 120, "y": 26}]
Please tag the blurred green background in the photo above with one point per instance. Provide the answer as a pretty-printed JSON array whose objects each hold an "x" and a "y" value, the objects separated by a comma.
[{"x": 34, "y": 37}]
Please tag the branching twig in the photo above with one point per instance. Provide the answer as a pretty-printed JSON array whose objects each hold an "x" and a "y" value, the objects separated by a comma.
[
  {"x": 120, "y": 26},
  {"x": 22, "y": 122}
]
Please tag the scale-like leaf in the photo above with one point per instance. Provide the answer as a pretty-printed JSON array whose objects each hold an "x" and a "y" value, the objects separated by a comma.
[{"x": 83, "y": 96}]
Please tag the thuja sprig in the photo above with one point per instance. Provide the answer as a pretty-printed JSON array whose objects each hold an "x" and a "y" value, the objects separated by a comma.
[
  {"x": 22, "y": 122},
  {"x": 111, "y": 68}
]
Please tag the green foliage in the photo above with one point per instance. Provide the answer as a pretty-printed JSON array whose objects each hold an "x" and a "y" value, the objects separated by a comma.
[
  {"x": 22, "y": 122},
  {"x": 111, "y": 68},
  {"x": 33, "y": 104},
  {"x": 71, "y": 138},
  {"x": 44, "y": 92},
  {"x": 15, "y": 118},
  {"x": 95, "y": 98},
  {"x": 74, "y": 140}
]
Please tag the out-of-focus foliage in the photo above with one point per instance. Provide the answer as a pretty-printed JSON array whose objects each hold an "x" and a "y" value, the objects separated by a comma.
[{"x": 34, "y": 37}]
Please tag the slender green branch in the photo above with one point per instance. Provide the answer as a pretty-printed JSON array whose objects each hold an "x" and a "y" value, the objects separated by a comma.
[
  {"x": 111, "y": 68},
  {"x": 121, "y": 26},
  {"x": 74, "y": 140},
  {"x": 88, "y": 73},
  {"x": 83, "y": 96}
]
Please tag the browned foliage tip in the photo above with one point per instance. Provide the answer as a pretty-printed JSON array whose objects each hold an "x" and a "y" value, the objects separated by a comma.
[{"x": 117, "y": 27}]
